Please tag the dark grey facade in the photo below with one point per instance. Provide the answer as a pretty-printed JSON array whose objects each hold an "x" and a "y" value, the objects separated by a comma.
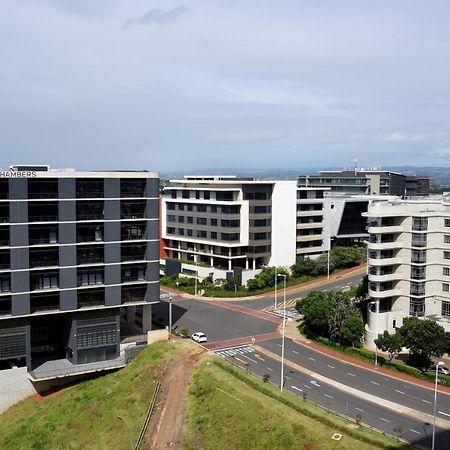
[{"x": 79, "y": 262}]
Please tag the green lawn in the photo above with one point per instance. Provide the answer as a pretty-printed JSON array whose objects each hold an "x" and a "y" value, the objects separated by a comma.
[
  {"x": 104, "y": 413},
  {"x": 228, "y": 409}
]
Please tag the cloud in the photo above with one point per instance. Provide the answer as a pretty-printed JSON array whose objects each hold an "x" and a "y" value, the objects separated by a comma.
[
  {"x": 245, "y": 137},
  {"x": 158, "y": 16}
]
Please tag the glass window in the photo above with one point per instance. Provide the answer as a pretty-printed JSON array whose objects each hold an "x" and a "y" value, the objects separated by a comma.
[
  {"x": 445, "y": 287},
  {"x": 417, "y": 307},
  {"x": 446, "y": 308},
  {"x": 447, "y": 238},
  {"x": 446, "y": 271}
]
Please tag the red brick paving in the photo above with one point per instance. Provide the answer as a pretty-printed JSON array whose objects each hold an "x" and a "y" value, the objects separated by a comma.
[{"x": 242, "y": 340}]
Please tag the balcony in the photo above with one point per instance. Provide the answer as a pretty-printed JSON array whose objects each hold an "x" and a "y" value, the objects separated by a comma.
[
  {"x": 90, "y": 255},
  {"x": 133, "y": 209},
  {"x": 5, "y": 306},
  {"x": 89, "y": 188},
  {"x": 134, "y": 294},
  {"x": 133, "y": 252},
  {"x": 44, "y": 258},
  {"x": 132, "y": 273},
  {"x": 44, "y": 302},
  {"x": 133, "y": 188},
  {"x": 90, "y": 233},
  {"x": 43, "y": 212},
  {"x": 38, "y": 189},
  {"x": 91, "y": 298},
  {"x": 42, "y": 235},
  {"x": 90, "y": 210},
  {"x": 133, "y": 231}
]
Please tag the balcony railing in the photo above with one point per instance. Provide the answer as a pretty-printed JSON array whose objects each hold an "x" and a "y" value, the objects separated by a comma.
[
  {"x": 43, "y": 218},
  {"x": 90, "y": 260},
  {"x": 44, "y": 263}
]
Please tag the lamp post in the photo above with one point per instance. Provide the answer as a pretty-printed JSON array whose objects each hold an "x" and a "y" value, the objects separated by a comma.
[
  {"x": 276, "y": 283},
  {"x": 283, "y": 332},
  {"x": 435, "y": 400},
  {"x": 170, "y": 315}
]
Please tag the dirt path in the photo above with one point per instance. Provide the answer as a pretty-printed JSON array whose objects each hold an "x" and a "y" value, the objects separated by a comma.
[{"x": 167, "y": 431}]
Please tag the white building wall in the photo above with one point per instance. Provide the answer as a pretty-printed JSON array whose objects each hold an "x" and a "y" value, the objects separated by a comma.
[{"x": 284, "y": 223}]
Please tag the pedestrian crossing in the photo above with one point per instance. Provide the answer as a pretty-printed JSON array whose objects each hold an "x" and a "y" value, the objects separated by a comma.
[{"x": 236, "y": 350}]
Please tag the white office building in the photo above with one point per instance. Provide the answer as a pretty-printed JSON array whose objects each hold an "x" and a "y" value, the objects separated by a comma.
[{"x": 409, "y": 263}]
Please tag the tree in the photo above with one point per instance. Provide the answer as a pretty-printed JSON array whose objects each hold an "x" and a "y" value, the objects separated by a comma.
[
  {"x": 321, "y": 267},
  {"x": 342, "y": 308},
  {"x": 390, "y": 343},
  {"x": 424, "y": 338},
  {"x": 316, "y": 308},
  {"x": 303, "y": 266},
  {"x": 352, "y": 330},
  {"x": 266, "y": 278},
  {"x": 344, "y": 257},
  {"x": 362, "y": 289}
]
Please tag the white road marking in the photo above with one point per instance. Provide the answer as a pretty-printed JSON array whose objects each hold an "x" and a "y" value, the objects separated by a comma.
[
  {"x": 444, "y": 414},
  {"x": 329, "y": 396},
  {"x": 414, "y": 431},
  {"x": 400, "y": 392},
  {"x": 383, "y": 419},
  {"x": 279, "y": 345},
  {"x": 296, "y": 388},
  {"x": 351, "y": 374},
  {"x": 288, "y": 378},
  {"x": 315, "y": 383},
  {"x": 359, "y": 409},
  {"x": 250, "y": 359},
  {"x": 332, "y": 367},
  {"x": 374, "y": 382},
  {"x": 312, "y": 359},
  {"x": 306, "y": 386},
  {"x": 269, "y": 368},
  {"x": 293, "y": 351},
  {"x": 426, "y": 401}
]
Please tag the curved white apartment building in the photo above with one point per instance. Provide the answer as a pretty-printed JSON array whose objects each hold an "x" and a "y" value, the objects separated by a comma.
[{"x": 409, "y": 263}]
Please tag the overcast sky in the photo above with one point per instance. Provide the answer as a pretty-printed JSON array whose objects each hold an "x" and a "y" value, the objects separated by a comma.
[{"x": 171, "y": 85}]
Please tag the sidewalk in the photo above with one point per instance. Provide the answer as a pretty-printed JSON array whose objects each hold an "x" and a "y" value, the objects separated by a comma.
[
  {"x": 294, "y": 335},
  {"x": 298, "y": 288}
]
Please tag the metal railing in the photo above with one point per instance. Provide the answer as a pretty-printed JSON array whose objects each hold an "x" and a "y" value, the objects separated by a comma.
[{"x": 149, "y": 414}]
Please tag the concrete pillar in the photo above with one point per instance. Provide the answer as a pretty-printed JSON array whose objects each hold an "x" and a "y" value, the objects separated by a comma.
[
  {"x": 146, "y": 318},
  {"x": 246, "y": 263},
  {"x": 254, "y": 264},
  {"x": 212, "y": 261},
  {"x": 131, "y": 315},
  {"x": 229, "y": 264}
]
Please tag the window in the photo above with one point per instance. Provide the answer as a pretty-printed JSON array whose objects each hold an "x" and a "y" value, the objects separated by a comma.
[
  {"x": 213, "y": 235},
  {"x": 190, "y": 219},
  {"x": 445, "y": 308},
  {"x": 201, "y": 234},
  {"x": 419, "y": 240},
  {"x": 44, "y": 280},
  {"x": 417, "y": 288},
  {"x": 213, "y": 208},
  {"x": 181, "y": 231},
  {"x": 224, "y": 196},
  {"x": 190, "y": 207},
  {"x": 201, "y": 220},
  {"x": 418, "y": 272},
  {"x": 170, "y": 230},
  {"x": 230, "y": 236},
  {"x": 170, "y": 218},
  {"x": 5, "y": 284},
  {"x": 201, "y": 208},
  {"x": 447, "y": 238},
  {"x": 197, "y": 195},
  {"x": 420, "y": 256},
  {"x": 189, "y": 232},
  {"x": 171, "y": 206},
  {"x": 417, "y": 307},
  {"x": 447, "y": 222},
  {"x": 181, "y": 219},
  {"x": 446, "y": 271},
  {"x": 419, "y": 223},
  {"x": 445, "y": 287},
  {"x": 185, "y": 194},
  {"x": 302, "y": 194},
  {"x": 89, "y": 277},
  {"x": 446, "y": 255},
  {"x": 213, "y": 222},
  {"x": 173, "y": 193}
]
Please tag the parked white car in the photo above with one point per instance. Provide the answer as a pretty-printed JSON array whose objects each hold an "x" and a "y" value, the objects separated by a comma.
[
  {"x": 199, "y": 337},
  {"x": 442, "y": 370}
]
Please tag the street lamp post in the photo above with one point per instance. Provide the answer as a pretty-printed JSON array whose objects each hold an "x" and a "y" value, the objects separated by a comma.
[
  {"x": 377, "y": 309},
  {"x": 170, "y": 315},
  {"x": 284, "y": 330},
  {"x": 276, "y": 285},
  {"x": 435, "y": 401}
]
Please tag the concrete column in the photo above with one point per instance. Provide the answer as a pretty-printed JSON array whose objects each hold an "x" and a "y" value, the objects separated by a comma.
[
  {"x": 229, "y": 264},
  {"x": 212, "y": 261},
  {"x": 246, "y": 263},
  {"x": 146, "y": 318},
  {"x": 131, "y": 315},
  {"x": 254, "y": 264}
]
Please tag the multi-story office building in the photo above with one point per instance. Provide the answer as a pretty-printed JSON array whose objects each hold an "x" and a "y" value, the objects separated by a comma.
[
  {"x": 225, "y": 222},
  {"x": 368, "y": 181},
  {"x": 79, "y": 265},
  {"x": 409, "y": 262},
  {"x": 311, "y": 226}
]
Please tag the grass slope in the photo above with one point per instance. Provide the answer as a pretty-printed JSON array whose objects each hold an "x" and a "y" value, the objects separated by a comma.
[
  {"x": 228, "y": 409},
  {"x": 104, "y": 413}
]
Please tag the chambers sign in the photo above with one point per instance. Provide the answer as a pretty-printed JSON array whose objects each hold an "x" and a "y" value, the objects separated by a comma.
[{"x": 17, "y": 174}]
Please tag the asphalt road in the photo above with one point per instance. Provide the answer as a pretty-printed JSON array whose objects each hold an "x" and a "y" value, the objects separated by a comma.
[
  {"x": 269, "y": 300},
  {"x": 216, "y": 322},
  {"x": 398, "y": 391},
  {"x": 377, "y": 416}
]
